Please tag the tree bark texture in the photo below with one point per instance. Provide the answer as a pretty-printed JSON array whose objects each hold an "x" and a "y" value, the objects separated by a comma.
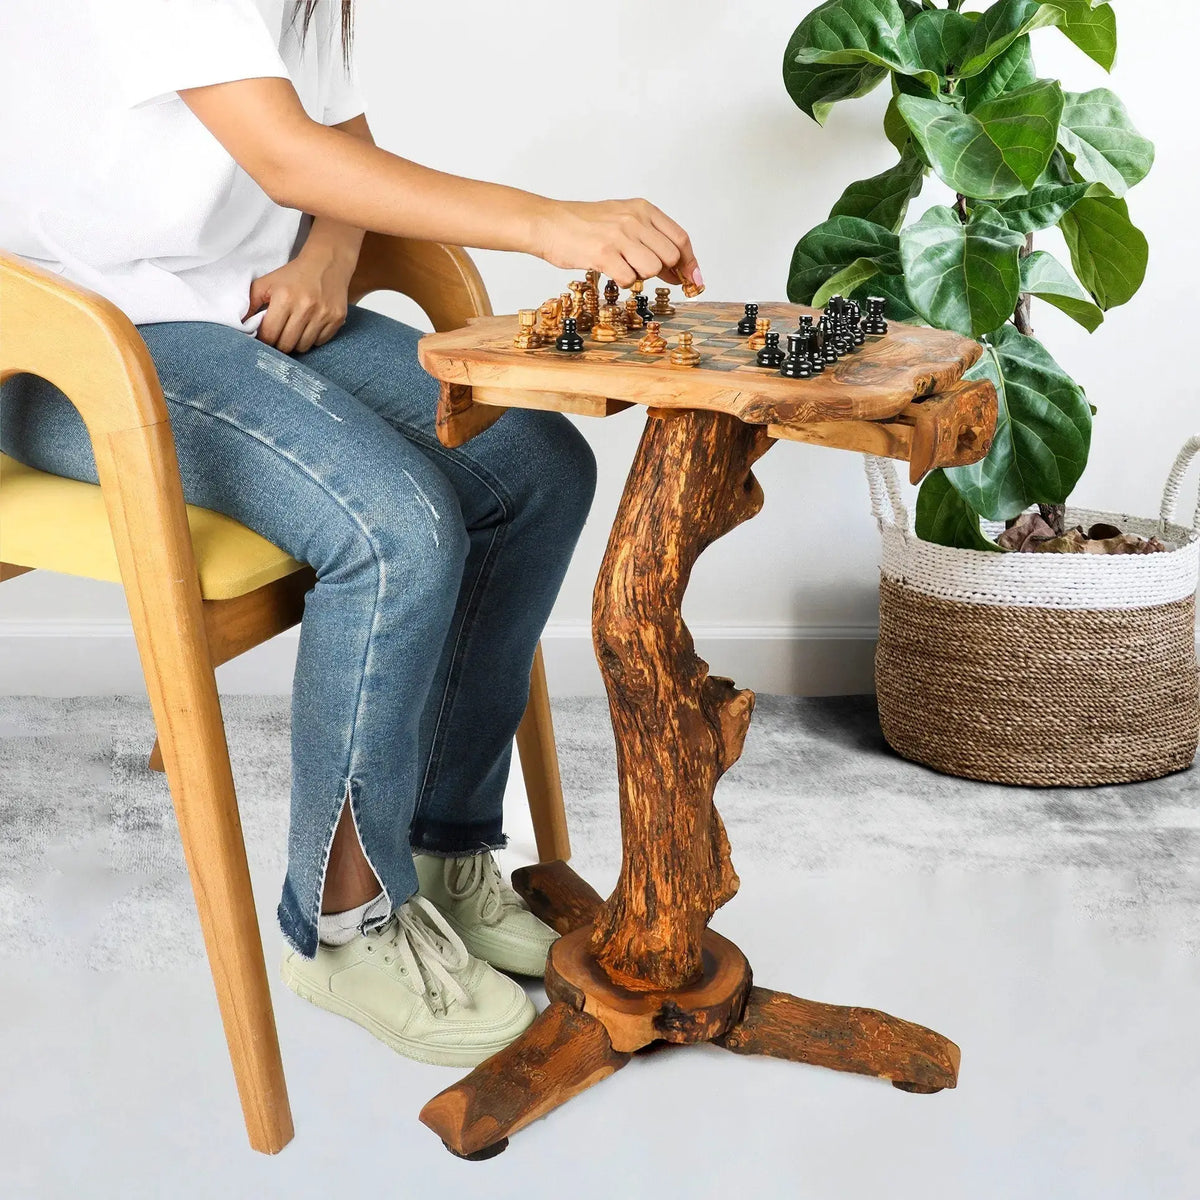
[{"x": 677, "y": 728}]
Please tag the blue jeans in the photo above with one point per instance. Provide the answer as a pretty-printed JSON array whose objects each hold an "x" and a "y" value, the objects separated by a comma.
[{"x": 436, "y": 571}]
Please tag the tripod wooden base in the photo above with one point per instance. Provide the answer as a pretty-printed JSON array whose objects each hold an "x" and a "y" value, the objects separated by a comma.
[{"x": 643, "y": 966}]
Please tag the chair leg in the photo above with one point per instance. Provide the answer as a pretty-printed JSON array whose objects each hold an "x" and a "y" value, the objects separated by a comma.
[
  {"x": 539, "y": 765},
  {"x": 156, "y": 757}
]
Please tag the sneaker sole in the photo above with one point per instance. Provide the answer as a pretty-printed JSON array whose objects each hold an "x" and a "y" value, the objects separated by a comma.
[{"x": 418, "y": 1051}]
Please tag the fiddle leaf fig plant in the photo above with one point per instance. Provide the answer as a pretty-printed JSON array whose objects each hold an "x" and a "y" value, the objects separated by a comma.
[{"x": 1020, "y": 155}]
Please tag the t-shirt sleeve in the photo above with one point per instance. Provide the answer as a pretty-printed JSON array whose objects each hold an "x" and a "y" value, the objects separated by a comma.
[
  {"x": 160, "y": 47},
  {"x": 340, "y": 95}
]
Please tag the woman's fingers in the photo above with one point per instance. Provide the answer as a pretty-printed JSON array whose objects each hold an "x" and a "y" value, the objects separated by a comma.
[
  {"x": 685, "y": 266},
  {"x": 293, "y": 330}
]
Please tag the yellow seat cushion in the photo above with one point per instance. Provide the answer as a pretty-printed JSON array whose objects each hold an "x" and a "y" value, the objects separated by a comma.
[{"x": 61, "y": 525}]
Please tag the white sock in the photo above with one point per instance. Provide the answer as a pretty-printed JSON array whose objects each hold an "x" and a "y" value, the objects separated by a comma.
[{"x": 337, "y": 929}]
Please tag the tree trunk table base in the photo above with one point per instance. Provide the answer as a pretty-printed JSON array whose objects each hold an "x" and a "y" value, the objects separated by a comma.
[{"x": 642, "y": 966}]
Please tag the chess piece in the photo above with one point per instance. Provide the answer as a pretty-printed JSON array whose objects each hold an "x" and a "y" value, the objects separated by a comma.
[
  {"x": 874, "y": 324},
  {"x": 605, "y": 329},
  {"x": 796, "y": 365},
  {"x": 812, "y": 348},
  {"x": 636, "y": 286},
  {"x": 691, "y": 290},
  {"x": 662, "y": 303},
  {"x": 550, "y": 319},
  {"x": 612, "y": 293},
  {"x": 579, "y": 306},
  {"x": 854, "y": 317},
  {"x": 758, "y": 339},
  {"x": 569, "y": 341},
  {"x": 591, "y": 299},
  {"x": 747, "y": 324},
  {"x": 771, "y": 355},
  {"x": 685, "y": 354},
  {"x": 653, "y": 342},
  {"x": 829, "y": 345},
  {"x": 643, "y": 307},
  {"x": 634, "y": 321},
  {"x": 527, "y": 337}
]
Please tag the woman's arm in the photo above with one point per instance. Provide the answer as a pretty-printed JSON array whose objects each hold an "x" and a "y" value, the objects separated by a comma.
[{"x": 334, "y": 174}]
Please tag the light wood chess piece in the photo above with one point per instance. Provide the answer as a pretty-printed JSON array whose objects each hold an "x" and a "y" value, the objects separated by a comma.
[
  {"x": 633, "y": 319},
  {"x": 758, "y": 339},
  {"x": 653, "y": 342},
  {"x": 606, "y": 329},
  {"x": 527, "y": 337},
  {"x": 550, "y": 319},
  {"x": 685, "y": 354},
  {"x": 579, "y": 307},
  {"x": 662, "y": 306},
  {"x": 691, "y": 290},
  {"x": 591, "y": 298}
]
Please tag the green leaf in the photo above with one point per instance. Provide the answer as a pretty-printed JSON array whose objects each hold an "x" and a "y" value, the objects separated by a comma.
[
  {"x": 835, "y": 244},
  {"x": 1010, "y": 72},
  {"x": 1099, "y": 138},
  {"x": 1093, "y": 30},
  {"x": 1042, "y": 436},
  {"x": 962, "y": 277},
  {"x": 1109, "y": 253},
  {"x": 816, "y": 89},
  {"x": 895, "y": 127},
  {"x": 939, "y": 38},
  {"x": 860, "y": 272},
  {"x": 995, "y": 152},
  {"x": 895, "y": 291},
  {"x": 944, "y": 517},
  {"x": 1044, "y": 276},
  {"x": 1044, "y": 207},
  {"x": 1000, "y": 26},
  {"x": 884, "y": 198},
  {"x": 853, "y": 32}
]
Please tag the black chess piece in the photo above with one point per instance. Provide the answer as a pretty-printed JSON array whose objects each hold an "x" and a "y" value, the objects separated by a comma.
[
  {"x": 795, "y": 365},
  {"x": 857, "y": 337},
  {"x": 771, "y": 355},
  {"x": 829, "y": 342},
  {"x": 812, "y": 347},
  {"x": 874, "y": 324},
  {"x": 643, "y": 308},
  {"x": 749, "y": 323},
  {"x": 569, "y": 341}
]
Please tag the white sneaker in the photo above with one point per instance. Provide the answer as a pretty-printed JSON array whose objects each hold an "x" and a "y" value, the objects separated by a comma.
[
  {"x": 414, "y": 986},
  {"x": 494, "y": 922}
]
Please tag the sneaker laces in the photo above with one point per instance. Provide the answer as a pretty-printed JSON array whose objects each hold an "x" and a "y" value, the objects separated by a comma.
[
  {"x": 478, "y": 873},
  {"x": 429, "y": 952}
]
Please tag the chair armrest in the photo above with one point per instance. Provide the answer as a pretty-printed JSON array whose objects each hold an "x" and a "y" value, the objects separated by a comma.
[
  {"x": 81, "y": 343},
  {"x": 443, "y": 280}
]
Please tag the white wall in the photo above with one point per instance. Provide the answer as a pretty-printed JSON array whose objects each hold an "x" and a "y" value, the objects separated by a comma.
[{"x": 683, "y": 102}]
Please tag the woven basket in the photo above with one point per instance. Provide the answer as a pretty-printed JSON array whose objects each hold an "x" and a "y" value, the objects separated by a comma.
[{"x": 1039, "y": 669}]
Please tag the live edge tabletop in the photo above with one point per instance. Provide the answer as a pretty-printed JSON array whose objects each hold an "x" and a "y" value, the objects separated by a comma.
[
  {"x": 643, "y": 966},
  {"x": 901, "y": 395}
]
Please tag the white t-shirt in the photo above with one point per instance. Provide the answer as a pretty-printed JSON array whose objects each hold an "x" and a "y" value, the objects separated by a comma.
[{"x": 107, "y": 177}]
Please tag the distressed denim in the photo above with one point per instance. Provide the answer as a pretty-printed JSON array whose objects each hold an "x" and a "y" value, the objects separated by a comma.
[{"x": 436, "y": 571}]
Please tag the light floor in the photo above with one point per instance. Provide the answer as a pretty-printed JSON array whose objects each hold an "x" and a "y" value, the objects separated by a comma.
[{"x": 1079, "y": 1029}]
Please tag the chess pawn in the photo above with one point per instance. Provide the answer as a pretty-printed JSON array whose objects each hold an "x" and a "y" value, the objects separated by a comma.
[
  {"x": 643, "y": 307},
  {"x": 685, "y": 354},
  {"x": 811, "y": 348},
  {"x": 527, "y": 337},
  {"x": 605, "y": 329},
  {"x": 747, "y": 324},
  {"x": 569, "y": 341},
  {"x": 653, "y": 342},
  {"x": 692, "y": 290},
  {"x": 634, "y": 321},
  {"x": 636, "y": 287},
  {"x": 771, "y": 355},
  {"x": 612, "y": 293},
  {"x": 662, "y": 303},
  {"x": 758, "y": 339}
]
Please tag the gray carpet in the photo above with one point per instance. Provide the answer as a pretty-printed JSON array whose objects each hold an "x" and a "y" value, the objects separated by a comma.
[{"x": 91, "y": 870}]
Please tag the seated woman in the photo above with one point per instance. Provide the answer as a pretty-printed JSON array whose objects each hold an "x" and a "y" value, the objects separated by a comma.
[{"x": 210, "y": 170}]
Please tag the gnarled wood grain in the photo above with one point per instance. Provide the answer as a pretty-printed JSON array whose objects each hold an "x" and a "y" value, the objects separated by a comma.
[
  {"x": 556, "y": 895},
  {"x": 678, "y": 729}
]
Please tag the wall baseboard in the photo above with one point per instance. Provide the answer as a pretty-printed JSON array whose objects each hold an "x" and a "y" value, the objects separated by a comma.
[{"x": 87, "y": 658}]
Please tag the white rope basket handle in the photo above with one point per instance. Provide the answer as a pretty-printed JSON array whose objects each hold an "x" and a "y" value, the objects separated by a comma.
[
  {"x": 1190, "y": 450},
  {"x": 885, "y": 485}
]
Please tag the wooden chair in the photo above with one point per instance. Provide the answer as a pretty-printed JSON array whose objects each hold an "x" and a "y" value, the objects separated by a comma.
[{"x": 201, "y": 590}]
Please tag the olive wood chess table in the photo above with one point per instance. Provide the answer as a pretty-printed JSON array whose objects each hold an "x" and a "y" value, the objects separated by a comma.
[{"x": 642, "y": 966}]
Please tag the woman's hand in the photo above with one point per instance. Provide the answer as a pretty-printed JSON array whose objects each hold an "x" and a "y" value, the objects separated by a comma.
[
  {"x": 306, "y": 300},
  {"x": 626, "y": 240}
]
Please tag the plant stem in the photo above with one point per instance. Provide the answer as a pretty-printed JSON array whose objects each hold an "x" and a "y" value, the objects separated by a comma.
[
  {"x": 1025, "y": 301},
  {"x": 960, "y": 206}
]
